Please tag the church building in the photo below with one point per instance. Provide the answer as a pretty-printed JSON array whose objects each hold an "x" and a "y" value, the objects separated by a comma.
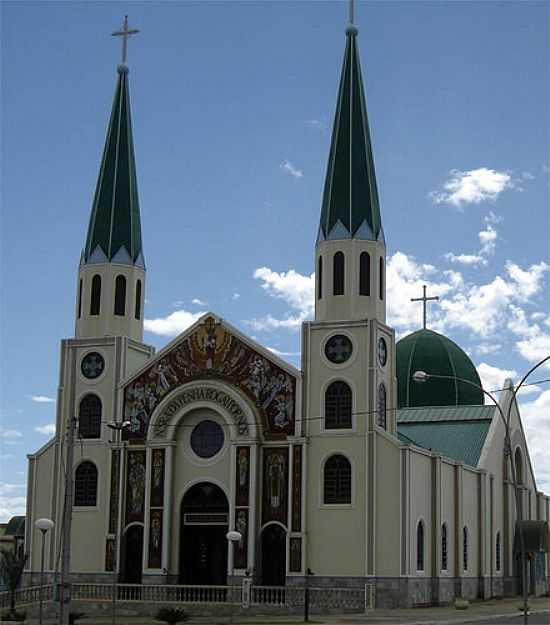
[{"x": 348, "y": 468}]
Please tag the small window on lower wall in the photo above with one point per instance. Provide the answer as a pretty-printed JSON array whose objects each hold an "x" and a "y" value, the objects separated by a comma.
[
  {"x": 337, "y": 480},
  {"x": 497, "y": 552},
  {"x": 444, "y": 557},
  {"x": 420, "y": 546},
  {"x": 465, "y": 548},
  {"x": 381, "y": 408}
]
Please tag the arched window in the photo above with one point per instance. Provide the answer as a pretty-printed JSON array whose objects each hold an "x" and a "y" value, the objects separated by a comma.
[
  {"x": 381, "y": 407},
  {"x": 89, "y": 417},
  {"x": 338, "y": 401},
  {"x": 420, "y": 546},
  {"x": 444, "y": 556},
  {"x": 120, "y": 296},
  {"x": 339, "y": 272},
  {"x": 364, "y": 273},
  {"x": 138, "y": 300},
  {"x": 320, "y": 278},
  {"x": 337, "y": 480},
  {"x": 519, "y": 466},
  {"x": 95, "y": 300},
  {"x": 80, "y": 298},
  {"x": 497, "y": 552},
  {"x": 465, "y": 548},
  {"x": 85, "y": 484},
  {"x": 381, "y": 278}
]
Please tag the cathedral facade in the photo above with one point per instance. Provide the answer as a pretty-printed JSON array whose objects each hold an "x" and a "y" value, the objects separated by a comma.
[{"x": 346, "y": 468}]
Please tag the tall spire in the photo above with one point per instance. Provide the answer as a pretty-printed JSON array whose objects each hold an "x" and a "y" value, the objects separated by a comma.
[
  {"x": 350, "y": 200},
  {"x": 114, "y": 233}
]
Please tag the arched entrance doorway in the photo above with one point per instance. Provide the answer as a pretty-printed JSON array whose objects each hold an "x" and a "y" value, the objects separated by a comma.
[
  {"x": 273, "y": 555},
  {"x": 132, "y": 555},
  {"x": 203, "y": 545}
]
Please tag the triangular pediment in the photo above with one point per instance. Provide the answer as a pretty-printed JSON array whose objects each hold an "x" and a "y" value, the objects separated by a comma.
[{"x": 211, "y": 349}]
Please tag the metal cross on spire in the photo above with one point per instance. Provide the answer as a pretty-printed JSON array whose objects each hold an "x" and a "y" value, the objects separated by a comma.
[
  {"x": 351, "y": 11},
  {"x": 125, "y": 34},
  {"x": 424, "y": 299}
]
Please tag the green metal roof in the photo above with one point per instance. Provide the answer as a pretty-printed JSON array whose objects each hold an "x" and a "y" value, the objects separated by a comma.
[
  {"x": 458, "y": 432},
  {"x": 350, "y": 200},
  {"x": 434, "y": 353},
  {"x": 114, "y": 233}
]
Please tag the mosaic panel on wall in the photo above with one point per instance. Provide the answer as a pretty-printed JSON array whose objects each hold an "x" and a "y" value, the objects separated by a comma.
[
  {"x": 297, "y": 488},
  {"x": 242, "y": 503},
  {"x": 156, "y": 500},
  {"x": 213, "y": 352},
  {"x": 155, "y": 539},
  {"x": 275, "y": 485},
  {"x": 135, "y": 486}
]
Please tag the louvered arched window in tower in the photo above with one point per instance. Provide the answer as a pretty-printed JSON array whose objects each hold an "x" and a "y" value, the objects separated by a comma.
[
  {"x": 89, "y": 417},
  {"x": 337, "y": 480},
  {"x": 95, "y": 295},
  {"x": 338, "y": 273},
  {"x": 85, "y": 484},
  {"x": 338, "y": 403},
  {"x": 444, "y": 554},
  {"x": 497, "y": 552},
  {"x": 465, "y": 548},
  {"x": 364, "y": 273},
  {"x": 120, "y": 296},
  {"x": 138, "y": 300}
]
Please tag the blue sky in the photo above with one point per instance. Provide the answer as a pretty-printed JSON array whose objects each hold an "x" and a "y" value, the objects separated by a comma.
[{"x": 232, "y": 108}]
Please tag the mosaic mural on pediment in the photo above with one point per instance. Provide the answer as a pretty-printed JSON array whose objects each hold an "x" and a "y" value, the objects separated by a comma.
[{"x": 211, "y": 352}]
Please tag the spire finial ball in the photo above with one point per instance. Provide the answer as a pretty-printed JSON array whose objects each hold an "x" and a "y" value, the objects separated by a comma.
[
  {"x": 123, "y": 68},
  {"x": 352, "y": 30}
]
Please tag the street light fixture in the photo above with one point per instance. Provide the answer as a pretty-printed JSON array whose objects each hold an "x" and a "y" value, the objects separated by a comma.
[
  {"x": 44, "y": 525},
  {"x": 233, "y": 537},
  {"x": 421, "y": 377}
]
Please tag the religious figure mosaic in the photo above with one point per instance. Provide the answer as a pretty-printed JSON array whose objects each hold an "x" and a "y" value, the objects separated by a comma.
[
  {"x": 241, "y": 548},
  {"x": 135, "y": 486},
  {"x": 155, "y": 539},
  {"x": 213, "y": 352},
  {"x": 113, "y": 502},
  {"x": 275, "y": 484},
  {"x": 243, "y": 476},
  {"x": 157, "y": 478}
]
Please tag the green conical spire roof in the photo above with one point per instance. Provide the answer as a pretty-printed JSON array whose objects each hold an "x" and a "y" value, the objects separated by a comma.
[
  {"x": 350, "y": 199},
  {"x": 114, "y": 233}
]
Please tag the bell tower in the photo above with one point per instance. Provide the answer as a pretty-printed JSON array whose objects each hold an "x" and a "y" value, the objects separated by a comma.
[
  {"x": 111, "y": 275},
  {"x": 350, "y": 250}
]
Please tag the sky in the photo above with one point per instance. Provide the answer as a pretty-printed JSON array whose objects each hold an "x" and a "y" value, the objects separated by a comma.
[{"x": 232, "y": 106}]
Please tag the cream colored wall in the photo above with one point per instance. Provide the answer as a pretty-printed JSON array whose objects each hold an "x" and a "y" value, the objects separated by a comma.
[
  {"x": 388, "y": 506},
  {"x": 350, "y": 306},
  {"x": 470, "y": 498},
  {"x": 421, "y": 508},
  {"x": 448, "y": 514},
  {"x": 107, "y": 323},
  {"x": 188, "y": 470}
]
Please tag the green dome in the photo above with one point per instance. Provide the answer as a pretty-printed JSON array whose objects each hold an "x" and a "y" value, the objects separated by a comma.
[{"x": 434, "y": 353}]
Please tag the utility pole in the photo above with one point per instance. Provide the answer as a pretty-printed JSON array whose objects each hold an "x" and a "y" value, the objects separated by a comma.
[{"x": 65, "y": 586}]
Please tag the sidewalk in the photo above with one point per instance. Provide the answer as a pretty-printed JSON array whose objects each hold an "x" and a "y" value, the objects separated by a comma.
[{"x": 496, "y": 611}]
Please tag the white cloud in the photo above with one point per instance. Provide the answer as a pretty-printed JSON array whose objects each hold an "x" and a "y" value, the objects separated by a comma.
[
  {"x": 6, "y": 489},
  {"x": 42, "y": 399},
  {"x": 537, "y": 428},
  {"x": 48, "y": 429},
  {"x": 295, "y": 289},
  {"x": 199, "y": 302},
  {"x": 484, "y": 349},
  {"x": 9, "y": 434},
  {"x": 290, "y": 169},
  {"x": 465, "y": 259},
  {"x": 235, "y": 296},
  {"x": 492, "y": 378},
  {"x": 172, "y": 324},
  {"x": 528, "y": 281},
  {"x": 11, "y": 506},
  {"x": 473, "y": 186},
  {"x": 279, "y": 353},
  {"x": 533, "y": 342},
  {"x": 488, "y": 239}
]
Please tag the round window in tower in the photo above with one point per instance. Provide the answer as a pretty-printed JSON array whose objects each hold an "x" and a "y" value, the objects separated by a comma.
[
  {"x": 338, "y": 349},
  {"x": 92, "y": 365},
  {"x": 207, "y": 439}
]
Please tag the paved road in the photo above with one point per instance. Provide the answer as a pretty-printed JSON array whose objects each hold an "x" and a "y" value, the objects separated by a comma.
[{"x": 534, "y": 619}]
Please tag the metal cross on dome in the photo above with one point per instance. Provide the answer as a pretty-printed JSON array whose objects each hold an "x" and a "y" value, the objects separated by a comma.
[
  {"x": 424, "y": 299},
  {"x": 125, "y": 33}
]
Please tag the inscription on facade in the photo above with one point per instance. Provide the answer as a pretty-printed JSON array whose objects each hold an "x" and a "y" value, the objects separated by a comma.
[{"x": 202, "y": 393}]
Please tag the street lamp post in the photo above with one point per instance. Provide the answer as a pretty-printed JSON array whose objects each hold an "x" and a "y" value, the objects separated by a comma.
[
  {"x": 44, "y": 525},
  {"x": 117, "y": 427},
  {"x": 233, "y": 537},
  {"x": 423, "y": 376}
]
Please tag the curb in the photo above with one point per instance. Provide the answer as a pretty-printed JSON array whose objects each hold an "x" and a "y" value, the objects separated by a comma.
[{"x": 477, "y": 619}]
